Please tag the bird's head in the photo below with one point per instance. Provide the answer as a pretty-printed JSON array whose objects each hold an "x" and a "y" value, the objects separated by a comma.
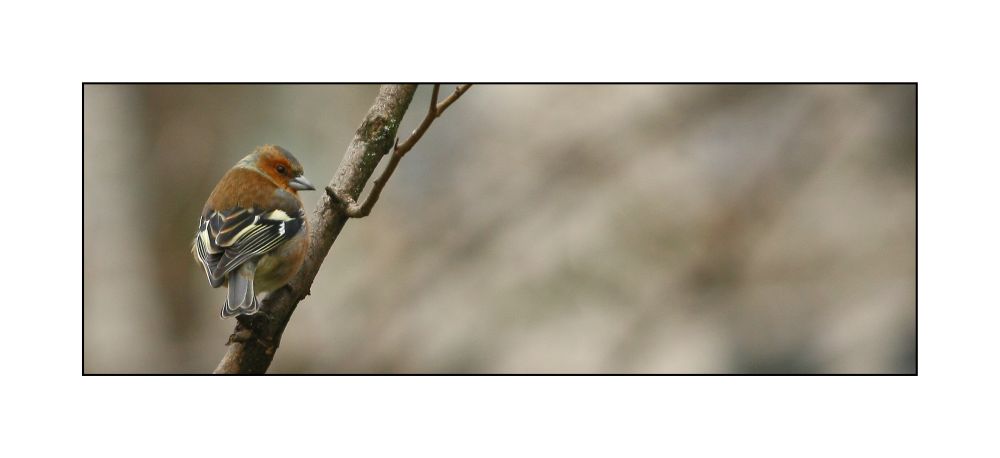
[{"x": 280, "y": 166}]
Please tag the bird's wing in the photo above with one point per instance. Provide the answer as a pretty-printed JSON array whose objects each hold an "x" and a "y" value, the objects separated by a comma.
[{"x": 227, "y": 239}]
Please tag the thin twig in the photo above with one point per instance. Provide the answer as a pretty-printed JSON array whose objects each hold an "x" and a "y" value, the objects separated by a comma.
[
  {"x": 452, "y": 98},
  {"x": 352, "y": 208}
]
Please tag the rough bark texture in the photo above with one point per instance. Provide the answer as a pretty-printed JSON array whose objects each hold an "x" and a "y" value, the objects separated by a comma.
[{"x": 252, "y": 345}]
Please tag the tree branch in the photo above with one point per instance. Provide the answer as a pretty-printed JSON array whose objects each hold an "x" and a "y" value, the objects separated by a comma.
[
  {"x": 348, "y": 205},
  {"x": 253, "y": 343}
]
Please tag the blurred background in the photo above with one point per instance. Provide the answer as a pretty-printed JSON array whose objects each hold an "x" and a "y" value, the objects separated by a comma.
[{"x": 534, "y": 229}]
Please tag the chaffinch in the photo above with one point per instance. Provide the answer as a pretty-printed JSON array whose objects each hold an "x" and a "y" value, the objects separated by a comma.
[{"x": 252, "y": 235}]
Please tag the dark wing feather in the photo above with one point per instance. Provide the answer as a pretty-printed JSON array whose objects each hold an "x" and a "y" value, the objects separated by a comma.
[
  {"x": 231, "y": 224},
  {"x": 208, "y": 253}
]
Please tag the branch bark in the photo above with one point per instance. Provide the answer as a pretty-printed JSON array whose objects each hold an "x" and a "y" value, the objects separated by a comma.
[{"x": 255, "y": 340}]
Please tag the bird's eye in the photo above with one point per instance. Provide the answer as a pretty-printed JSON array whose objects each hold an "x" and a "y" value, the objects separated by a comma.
[{"x": 280, "y": 168}]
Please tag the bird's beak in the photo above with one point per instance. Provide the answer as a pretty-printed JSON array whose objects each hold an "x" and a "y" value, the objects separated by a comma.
[{"x": 301, "y": 183}]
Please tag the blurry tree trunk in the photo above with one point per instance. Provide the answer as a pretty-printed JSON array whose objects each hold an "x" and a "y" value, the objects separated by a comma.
[
  {"x": 252, "y": 345},
  {"x": 117, "y": 279}
]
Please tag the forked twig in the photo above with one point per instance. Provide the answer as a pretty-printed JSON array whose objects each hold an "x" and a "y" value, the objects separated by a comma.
[{"x": 352, "y": 208}]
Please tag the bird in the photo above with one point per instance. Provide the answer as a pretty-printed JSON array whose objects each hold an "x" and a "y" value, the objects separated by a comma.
[{"x": 252, "y": 233}]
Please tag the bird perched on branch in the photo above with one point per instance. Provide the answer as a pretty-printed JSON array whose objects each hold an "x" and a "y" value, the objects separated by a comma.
[{"x": 252, "y": 235}]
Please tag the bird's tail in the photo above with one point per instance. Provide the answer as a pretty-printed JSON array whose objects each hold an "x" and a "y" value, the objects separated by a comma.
[{"x": 241, "y": 299}]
